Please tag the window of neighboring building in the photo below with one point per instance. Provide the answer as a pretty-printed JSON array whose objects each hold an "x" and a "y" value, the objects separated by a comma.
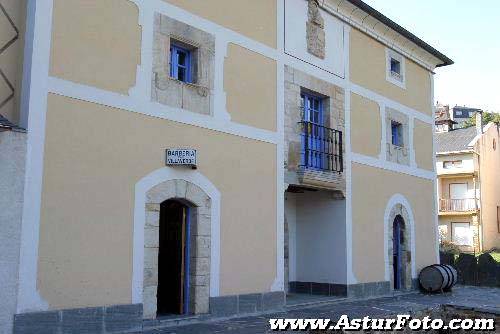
[
  {"x": 397, "y": 134},
  {"x": 452, "y": 164},
  {"x": 458, "y": 113},
  {"x": 459, "y": 190},
  {"x": 180, "y": 63},
  {"x": 498, "y": 219},
  {"x": 494, "y": 145},
  {"x": 461, "y": 234}
]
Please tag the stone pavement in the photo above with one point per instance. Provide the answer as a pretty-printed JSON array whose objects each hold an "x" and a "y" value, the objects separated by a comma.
[{"x": 481, "y": 299}]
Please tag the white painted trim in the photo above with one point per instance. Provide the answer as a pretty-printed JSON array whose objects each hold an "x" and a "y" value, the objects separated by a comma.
[
  {"x": 350, "y": 277},
  {"x": 279, "y": 282},
  {"x": 435, "y": 180},
  {"x": 144, "y": 76},
  {"x": 411, "y": 141},
  {"x": 114, "y": 100},
  {"x": 220, "y": 98},
  {"x": 391, "y": 54},
  {"x": 141, "y": 188},
  {"x": 392, "y": 166},
  {"x": 391, "y": 103},
  {"x": 395, "y": 200},
  {"x": 28, "y": 297},
  {"x": 383, "y": 137},
  {"x": 198, "y": 22},
  {"x": 407, "y": 48}
]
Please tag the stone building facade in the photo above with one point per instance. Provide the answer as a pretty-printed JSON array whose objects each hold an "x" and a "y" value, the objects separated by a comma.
[{"x": 205, "y": 158}]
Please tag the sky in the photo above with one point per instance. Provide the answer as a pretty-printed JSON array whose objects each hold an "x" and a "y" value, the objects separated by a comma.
[{"x": 466, "y": 31}]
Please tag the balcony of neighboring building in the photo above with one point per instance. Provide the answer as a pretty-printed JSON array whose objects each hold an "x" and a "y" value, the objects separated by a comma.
[
  {"x": 461, "y": 205},
  {"x": 458, "y": 195}
]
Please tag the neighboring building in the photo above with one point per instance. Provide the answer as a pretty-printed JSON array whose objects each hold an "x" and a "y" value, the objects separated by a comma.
[
  {"x": 462, "y": 114},
  {"x": 468, "y": 165},
  {"x": 313, "y": 173}
]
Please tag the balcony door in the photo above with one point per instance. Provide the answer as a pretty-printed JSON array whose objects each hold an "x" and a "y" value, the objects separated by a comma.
[
  {"x": 458, "y": 191},
  {"x": 313, "y": 135}
]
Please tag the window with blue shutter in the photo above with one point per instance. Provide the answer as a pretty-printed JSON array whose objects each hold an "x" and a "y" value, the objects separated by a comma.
[
  {"x": 180, "y": 63},
  {"x": 313, "y": 136},
  {"x": 397, "y": 133}
]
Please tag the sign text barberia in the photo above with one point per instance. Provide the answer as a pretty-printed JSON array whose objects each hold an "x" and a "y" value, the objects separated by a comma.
[{"x": 181, "y": 157}]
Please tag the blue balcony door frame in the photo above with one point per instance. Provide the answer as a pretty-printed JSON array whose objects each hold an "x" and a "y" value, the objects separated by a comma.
[
  {"x": 312, "y": 140},
  {"x": 397, "y": 263}
]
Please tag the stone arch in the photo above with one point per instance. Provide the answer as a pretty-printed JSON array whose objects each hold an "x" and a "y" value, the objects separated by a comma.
[
  {"x": 399, "y": 206},
  {"x": 199, "y": 281},
  {"x": 159, "y": 178}
]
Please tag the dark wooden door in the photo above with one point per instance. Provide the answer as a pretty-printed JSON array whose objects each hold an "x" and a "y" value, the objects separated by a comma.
[
  {"x": 170, "y": 294},
  {"x": 396, "y": 251}
]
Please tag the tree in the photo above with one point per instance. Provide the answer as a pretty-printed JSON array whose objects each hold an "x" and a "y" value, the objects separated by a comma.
[{"x": 487, "y": 118}]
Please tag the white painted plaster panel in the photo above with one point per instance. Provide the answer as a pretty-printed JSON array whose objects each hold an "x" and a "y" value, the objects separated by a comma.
[
  {"x": 296, "y": 42},
  {"x": 319, "y": 238}
]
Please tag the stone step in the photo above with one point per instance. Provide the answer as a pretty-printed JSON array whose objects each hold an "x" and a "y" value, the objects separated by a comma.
[{"x": 170, "y": 321}]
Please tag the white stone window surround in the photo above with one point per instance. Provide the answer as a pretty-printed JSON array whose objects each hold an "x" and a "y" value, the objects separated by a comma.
[
  {"x": 394, "y": 153},
  {"x": 398, "y": 79},
  {"x": 198, "y": 95}
]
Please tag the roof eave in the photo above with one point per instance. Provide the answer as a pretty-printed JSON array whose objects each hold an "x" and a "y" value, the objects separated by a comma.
[{"x": 445, "y": 61}]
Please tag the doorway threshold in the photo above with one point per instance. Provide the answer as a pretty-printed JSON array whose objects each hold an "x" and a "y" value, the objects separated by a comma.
[
  {"x": 294, "y": 300},
  {"x": 169, "y": 320}
]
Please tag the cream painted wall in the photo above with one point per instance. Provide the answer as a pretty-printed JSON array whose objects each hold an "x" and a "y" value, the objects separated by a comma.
[
  {"x": 368, "y": 69},
  {"x": 371, "y": 190},
  {"x": 11, "y": 59},
  {"x": 490, "y": 186},
  {"x": 423, "y": 136},
  {"x": 253, "y": 18},
  {"x": 94, "y": 155},
  {"x": 250, "y": 86},
  {"x": 96, "y": 43},
  {"x": 366, "y": 125}
]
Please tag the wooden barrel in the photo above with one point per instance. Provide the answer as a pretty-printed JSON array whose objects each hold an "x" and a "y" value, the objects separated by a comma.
[{"x": 438, "y": 277}]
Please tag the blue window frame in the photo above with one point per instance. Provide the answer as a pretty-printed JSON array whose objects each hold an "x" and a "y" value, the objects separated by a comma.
[
  {"x": 397, "y": 133},
  {"x": 395, "y": 66},
  {"x": 312, "y": 136},
  {"x": 180, "y": 63}
]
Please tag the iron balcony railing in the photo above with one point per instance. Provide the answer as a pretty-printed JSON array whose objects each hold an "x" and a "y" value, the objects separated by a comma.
[
  {"x": 321, "y": 148},
  {"x": 457, "y": 205}
]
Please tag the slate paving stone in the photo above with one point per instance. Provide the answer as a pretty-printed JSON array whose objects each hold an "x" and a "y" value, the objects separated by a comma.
[{"x": 472, "y": 297}]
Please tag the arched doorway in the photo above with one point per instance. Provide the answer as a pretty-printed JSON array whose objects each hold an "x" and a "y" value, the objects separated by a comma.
[
  {"x": 173, "y": 258},
  {"x": 177, "y": 249},
  {"x": 398, "y": 240},
  {"x": 399, "y": 246}
]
